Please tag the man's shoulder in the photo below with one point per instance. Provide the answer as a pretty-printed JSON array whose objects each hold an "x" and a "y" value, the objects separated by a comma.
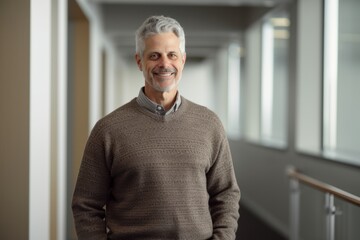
[
  {"x": 201, "y": 118},
  {"x": 201, "y": 112},
  {"x": 126, "y": 108},
  {"x": 118, "y": 116}
]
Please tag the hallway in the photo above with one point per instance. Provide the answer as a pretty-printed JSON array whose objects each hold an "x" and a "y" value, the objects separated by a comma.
[{"x": 282, "y": 75}]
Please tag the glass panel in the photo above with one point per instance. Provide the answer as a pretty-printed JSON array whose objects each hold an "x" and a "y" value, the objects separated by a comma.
[
  {"x": 312, "y": 214},
  {"x": 347, "y": 220},
  {"x": 265, "y": 83},
  {"x": 275, "y": 39},
  {"x": 341, "y": 80}
]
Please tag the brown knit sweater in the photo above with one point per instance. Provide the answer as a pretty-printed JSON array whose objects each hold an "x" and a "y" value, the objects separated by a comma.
[{"x": 158, "y": 177}]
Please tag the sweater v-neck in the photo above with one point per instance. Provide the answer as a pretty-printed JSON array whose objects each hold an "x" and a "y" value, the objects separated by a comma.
[{"x": 164, "y": 118}]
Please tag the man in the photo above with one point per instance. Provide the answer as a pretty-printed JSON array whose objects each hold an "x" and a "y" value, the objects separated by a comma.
[{"x": 158, "y": 167}]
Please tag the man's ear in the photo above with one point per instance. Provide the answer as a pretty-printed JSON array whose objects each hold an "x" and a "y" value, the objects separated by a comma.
[
  {"x": 138, "y": 61},
  {"x": 184, "y": 58}
]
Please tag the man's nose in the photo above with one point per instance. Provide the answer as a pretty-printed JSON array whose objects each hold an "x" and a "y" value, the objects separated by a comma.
[{"x": 164, "y": 61}]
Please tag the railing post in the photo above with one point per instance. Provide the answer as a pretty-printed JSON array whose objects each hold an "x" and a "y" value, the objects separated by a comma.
[
  {"x": 294, "y": 208},
  {"x": 330, "y": 216}
]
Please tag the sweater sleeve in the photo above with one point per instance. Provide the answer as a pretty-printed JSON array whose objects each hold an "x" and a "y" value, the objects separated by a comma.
[
  {"x": 92, "y": 190},
  {"x": 224, "y": 195}
]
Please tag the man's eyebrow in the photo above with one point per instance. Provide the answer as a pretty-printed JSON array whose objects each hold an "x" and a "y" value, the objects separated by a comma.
[{"x": 153, "y": 52}]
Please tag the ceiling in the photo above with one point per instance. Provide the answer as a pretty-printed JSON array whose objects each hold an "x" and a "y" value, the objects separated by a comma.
[{"x": 208, "y": 24}]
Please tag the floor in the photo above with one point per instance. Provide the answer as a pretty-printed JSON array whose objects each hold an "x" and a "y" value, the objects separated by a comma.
[{"x": 253, "y": 228}]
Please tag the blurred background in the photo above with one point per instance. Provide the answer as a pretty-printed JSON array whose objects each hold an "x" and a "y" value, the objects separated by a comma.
[{"x": 283, "y": 76}]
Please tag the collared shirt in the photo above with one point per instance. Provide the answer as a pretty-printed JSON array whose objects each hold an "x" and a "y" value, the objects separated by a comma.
[{"x": 145, "y": 102}]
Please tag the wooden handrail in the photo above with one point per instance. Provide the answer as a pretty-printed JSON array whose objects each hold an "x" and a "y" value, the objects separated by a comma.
[{"x": 324, "y": 187}]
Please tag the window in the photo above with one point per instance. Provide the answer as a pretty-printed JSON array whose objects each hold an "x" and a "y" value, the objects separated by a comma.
[
  {"x": 267, "y": 80},
  {"x": 341, "y": 113},
  {"x": 274, "y": 77},
  {"x": 328, "y": 81}
]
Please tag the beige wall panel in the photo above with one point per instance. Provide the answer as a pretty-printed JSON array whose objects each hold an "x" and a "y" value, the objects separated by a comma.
[{"x": 14, "y": 120}]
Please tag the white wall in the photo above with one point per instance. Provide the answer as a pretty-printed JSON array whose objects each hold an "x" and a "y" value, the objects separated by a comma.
[
  {"x": 196, "y": 83},
  {"x": 252, "y": 82},
  {"x": 220, "y": 83},
  {"x": 132, "y": 80},
  {"x": 309, "y": 75}
]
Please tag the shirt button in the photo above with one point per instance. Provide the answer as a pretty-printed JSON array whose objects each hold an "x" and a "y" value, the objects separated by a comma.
[{"x": 159, "y": 108}]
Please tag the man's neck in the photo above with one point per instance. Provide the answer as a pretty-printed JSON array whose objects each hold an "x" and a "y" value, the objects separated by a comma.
[{"x": 165, "y": 99}]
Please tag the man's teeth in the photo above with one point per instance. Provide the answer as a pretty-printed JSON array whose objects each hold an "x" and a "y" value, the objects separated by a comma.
[{"x": 165, "y": 74}]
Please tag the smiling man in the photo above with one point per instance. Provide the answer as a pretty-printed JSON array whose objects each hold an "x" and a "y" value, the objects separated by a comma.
[
  {"x": 162, "y": 64},
  {"x": 160, "y": 166}
]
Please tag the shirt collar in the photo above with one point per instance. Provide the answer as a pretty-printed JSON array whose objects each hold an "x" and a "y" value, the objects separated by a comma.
[{"x": 145, "y": 102}]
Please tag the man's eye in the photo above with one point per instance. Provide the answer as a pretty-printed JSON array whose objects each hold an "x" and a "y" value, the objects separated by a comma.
[
  {"x": 172, "y": 55},
  {"x": 153, "y": 56}
]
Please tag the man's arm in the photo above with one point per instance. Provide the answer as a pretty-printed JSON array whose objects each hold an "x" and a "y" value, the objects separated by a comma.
[
  {"x": 91, "y": 191},
  {"x": 224, "y": 195}
]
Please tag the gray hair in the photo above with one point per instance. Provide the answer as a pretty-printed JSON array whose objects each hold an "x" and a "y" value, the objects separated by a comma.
[{"x": 155, "y": 25}]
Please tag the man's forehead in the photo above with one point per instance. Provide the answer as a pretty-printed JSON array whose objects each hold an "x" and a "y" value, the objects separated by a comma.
[{"x": 162, "y": 43}]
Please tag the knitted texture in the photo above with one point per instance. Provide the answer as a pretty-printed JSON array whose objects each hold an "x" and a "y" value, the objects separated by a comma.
[{"x": 147, "y": 176}]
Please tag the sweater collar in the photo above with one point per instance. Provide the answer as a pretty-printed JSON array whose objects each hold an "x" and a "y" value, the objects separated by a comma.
[{"x": 145, "y": 102}]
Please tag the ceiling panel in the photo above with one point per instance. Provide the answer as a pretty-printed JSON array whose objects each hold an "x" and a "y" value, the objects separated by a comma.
[{"x": 208, "y": 24}]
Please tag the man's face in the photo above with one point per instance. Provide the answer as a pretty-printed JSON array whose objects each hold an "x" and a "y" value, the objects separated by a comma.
[{"x": 162, "y": 62}]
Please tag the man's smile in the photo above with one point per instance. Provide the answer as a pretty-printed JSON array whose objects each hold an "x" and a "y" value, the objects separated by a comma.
[{"x": 164, "y": 73}]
